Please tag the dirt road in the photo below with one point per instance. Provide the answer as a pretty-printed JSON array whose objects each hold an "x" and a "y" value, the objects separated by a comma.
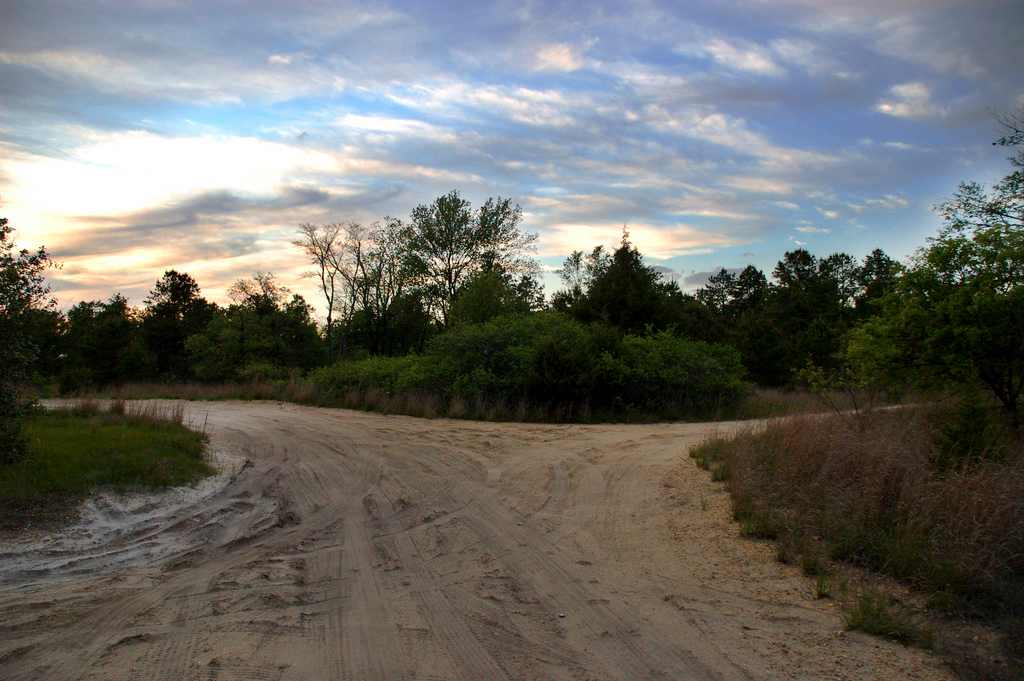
[{"x": 357, "y": 546}]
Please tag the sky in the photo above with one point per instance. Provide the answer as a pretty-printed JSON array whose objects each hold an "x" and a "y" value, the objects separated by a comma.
[{"x": 144, "y": 136}]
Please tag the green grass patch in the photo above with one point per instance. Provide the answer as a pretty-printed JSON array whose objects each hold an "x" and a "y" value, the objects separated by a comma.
[
  {"x": 875, "y": 612},
  {"x": 74, "y": 452}
]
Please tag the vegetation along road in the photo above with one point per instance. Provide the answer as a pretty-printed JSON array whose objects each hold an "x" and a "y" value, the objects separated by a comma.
[{"x": 358, "y": 546}]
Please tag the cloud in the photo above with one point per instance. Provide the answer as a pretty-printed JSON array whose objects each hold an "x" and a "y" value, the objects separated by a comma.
[
  {"x": 653, "y": 241},
  {"x": 760, "y": 185},
  {"x": 558, "y": 57},
  {"x": 216, "y": 81},
  {"x": 402, "y": 127},
  {"x": 808, "y": 56},
  {"x": 830, "y": 214},
  {"x": 695, "y": 280},
  {"x": 909, "y": 100},
  {"x": 887, "y": 201},
  {"x": 811, "y": 229},
  {"x": 704, "y": 128},
  {"x": 749, "y": 58},
  {"x": 521, "y": 104}
]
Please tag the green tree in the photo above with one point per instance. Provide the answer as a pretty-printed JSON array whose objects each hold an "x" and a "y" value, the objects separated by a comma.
[
  {"x": 174, "y": 311},
  {"x": 810, "y": 310},
  {"x": 957, "y": 314},
  {"x": 262, "y": 335},
  {"x": 627, "y": 293},
  {"x": 23, "y": 289},
  {"x": 490, "y": 293},
  {"x": 104, "y": 345},
  {"x": 878, "y": 276},
  {"x": 719, "y": 290},
  {"x": 448, "y": 242}
]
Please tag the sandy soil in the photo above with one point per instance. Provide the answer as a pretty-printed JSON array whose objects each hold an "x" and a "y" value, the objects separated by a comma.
[{"x": 359, "y": 546}]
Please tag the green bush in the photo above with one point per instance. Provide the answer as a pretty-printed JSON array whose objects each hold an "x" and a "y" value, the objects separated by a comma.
[{"x": 554, "y": 366}]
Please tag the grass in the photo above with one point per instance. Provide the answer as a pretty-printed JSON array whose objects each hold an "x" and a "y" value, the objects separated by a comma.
[
  {"x": 930, "y": 496},
  {"x": 759, "y": 403},
  {"x": 875, "y": 612},
  {"x": 74, "y": 451}
]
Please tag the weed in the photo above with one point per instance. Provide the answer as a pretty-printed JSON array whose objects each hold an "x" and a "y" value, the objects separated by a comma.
[
  {"x": 823, "y": 586},
  {"x": 875, "y": 612}
]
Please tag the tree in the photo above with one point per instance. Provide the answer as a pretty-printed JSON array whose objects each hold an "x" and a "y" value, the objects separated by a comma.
[
  {"x": 449, "y": 242},
  {"x": 627, "y": 293},
  {"x": 23, "y": 289},
  {"x": 577, "y": 273},
  {"x": 262, "y": 293},
  {"x": 958, "y": 312},
  {"x": 877, "y": 277},
  {"x": 174, "y": 311},
  {"x": 718, "y": 291},
  {"x": 104, "y": 345},
  {"x": 490, "y": 293},
  {"x": 262, "y": 335},
  {"x": 324, "y": 245},
  {"x": 750, "y": 290}
]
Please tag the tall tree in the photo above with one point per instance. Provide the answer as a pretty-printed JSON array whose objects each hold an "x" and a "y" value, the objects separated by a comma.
[
  {"x": 174, "y": 311},
  {"x": 104, "y": 344},
  {"x": 718, "y": 291},
  {"x": 627, "y": 293},
  {"x": 23, "y": 289},
  {"x": 324, "y": 247},
  {"x": 878, "y": 276},
  {"x": 449, "y": 242},
  {"x": 958, "y": 311}
]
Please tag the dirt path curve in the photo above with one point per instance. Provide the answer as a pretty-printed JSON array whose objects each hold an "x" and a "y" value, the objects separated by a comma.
[{"x": 365, "y": 547}]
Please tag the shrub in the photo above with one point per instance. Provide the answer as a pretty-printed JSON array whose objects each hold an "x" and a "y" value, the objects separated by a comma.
[
  {"x": 547, "y": 365},
  {"x": 875, "y": 612}
]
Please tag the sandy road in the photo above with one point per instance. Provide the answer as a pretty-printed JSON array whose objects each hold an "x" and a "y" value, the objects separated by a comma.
[{"x": 358, "y": 546}]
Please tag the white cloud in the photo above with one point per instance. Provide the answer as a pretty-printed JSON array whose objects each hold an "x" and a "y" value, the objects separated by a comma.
[
  {"x": 749, "y": 58},
  {"x": 558, "y": 57},
  {"x": 653, "y": 241},
  {"x": 809, "y": 57},
  {"x": 788, "y": 205},
  {"x": 398, "y": 127},
  {"x": 211, "y": 81},
  {"x": 759, "y": 185},
  {"x": 811, "y": 229},
  {"x": 909, "y": 100},
  {"x": 888, "y": 201},
  {"x": 280, "y": 59},
  {"x": 521, "y": 104},
  {"x": 121, "y": 172},
  {"x": 830, "y": 214}
]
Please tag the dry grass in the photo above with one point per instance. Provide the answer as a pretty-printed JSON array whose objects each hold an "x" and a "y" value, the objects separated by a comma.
[
  {"x": 890, "y": 492},
  {"x": 760, "y": 403}
]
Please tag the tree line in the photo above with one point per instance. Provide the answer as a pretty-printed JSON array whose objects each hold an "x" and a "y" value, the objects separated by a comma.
[{"x": 400, "y": 288}]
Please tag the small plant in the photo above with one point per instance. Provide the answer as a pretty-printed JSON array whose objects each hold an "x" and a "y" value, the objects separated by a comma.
[
  {"x": 875, "y": 612},
  {"x": 823, "y": 586}
]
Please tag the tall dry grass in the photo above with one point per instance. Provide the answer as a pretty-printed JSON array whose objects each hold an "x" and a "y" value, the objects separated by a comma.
[
  {"x": 930, "y": 495},
  {"x": 760, "y": 403}
]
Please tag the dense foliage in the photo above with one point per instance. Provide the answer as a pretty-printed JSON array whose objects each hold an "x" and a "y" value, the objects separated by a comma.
[
  {"x": 24, "y": 305},
  {"x": 550, "y": 361}
]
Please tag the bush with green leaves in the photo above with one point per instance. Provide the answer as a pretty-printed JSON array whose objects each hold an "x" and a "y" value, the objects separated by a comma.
[
  {"x": 557, "y": 365},
  {"x": 23, "y": 290}
]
